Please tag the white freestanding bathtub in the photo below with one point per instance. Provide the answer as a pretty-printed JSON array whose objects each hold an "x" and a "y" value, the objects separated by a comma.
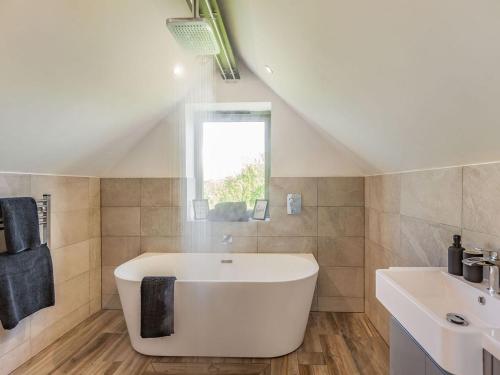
[{"x": 225, "y": 305}]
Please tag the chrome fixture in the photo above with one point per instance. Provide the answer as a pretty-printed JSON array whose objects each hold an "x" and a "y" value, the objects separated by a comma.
[
  {"x": 481, "y": 300},
  {"x": 293, "y": 203},
  {"x": 43, "y": 207},
  {"x": 490, "y": 260},
  {"x": 194, "y": 34},
  {"x": 204, "y": 34},
  {"x": 457, "y": 319},
  {"x": 227, "y": 239}
]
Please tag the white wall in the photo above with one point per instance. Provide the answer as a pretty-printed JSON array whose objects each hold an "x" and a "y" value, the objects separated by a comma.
[
  {"x": 404, "y": 84},
  {"x": 82, "y": 80},
  {"x": 298, "y": 148}
]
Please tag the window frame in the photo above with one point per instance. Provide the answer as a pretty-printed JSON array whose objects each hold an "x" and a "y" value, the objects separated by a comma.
[{"x": 229, "y": 116}]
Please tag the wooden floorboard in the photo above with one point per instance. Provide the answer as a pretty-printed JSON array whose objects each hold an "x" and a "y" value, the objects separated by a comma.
[{"x": 334, "y": 344}]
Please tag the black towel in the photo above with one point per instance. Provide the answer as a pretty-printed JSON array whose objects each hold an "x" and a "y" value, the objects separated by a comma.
[
  {"x": 157, "y": 306},
  {"x": 20, "y": 218},
  {"x": 26, "y": 284}
]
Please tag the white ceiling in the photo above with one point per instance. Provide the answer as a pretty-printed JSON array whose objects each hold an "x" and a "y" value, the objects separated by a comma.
[
  {"x": 82, "y": 81},
  {"x": 401, "y": 84},
  {"x": 404, "y": 84}
]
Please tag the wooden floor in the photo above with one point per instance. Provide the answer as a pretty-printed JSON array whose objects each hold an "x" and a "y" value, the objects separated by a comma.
[{"x": 335, "y": 343}]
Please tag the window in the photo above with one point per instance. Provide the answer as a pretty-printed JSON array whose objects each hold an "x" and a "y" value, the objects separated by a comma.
[{"x": 232, "y": 157}]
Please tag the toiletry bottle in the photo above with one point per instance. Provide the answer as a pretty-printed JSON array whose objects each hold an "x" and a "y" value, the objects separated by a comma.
[
  {"x": 473, "y": 273},
  {"x": 455, "y": 254}
]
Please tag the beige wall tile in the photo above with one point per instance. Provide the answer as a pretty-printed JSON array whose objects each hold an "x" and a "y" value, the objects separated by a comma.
[
  {"x": 68, "y": 193},
  {"x": 69, "y": 227},
  {"x": 44, "y": 338},
  {"x": 341, "y": 221},
  {"x": 201, "y": 244},
  {"x": 175, "y": 244},
  {"x": 15, "y": 337},
  {"x": 385, "y": 193},
  {"x": 341, "y": 191},
  {"x": 247, "y": 228},
  {"x": 95, "y": 252},
  {"x": 434, "y": 195},
  {"x": 424, "y": 243},
  {"x": 70, "y": 261},
  {"x": 314, "y": 303},
  {"x": 384, "y": 229},
  {"x": 70, "y": 295},
  {"x": 94, "y": 192},
  {"x": 121, "y": 192},
  {"x": 472, "y": 239},
  {"x": 341, "y": 282},
  {"x": 94, "y": 222},
  {"x": 120, "y": 221},
  {"x": 95, "y": 283},
  {"x": 282, "y": 224},
  {"x": 118, "y": 250},
  {"x": 481, "y": 211},
  {"x": 95, "y": 305},
  {"x": 279, "y": 187},
  {"x": 161, "y": 221},
  {"x": 238, "y": 245},
  {"x": 15, "y": 358},
  {"x": 376, "y": 258},
  {"x": 380, "y": 317},
  {"x": 111, "y": 302},
  {"x": 197, "y": 228},
  {"x": 340, "y": 304},
  {"x": 108, "y": 283},
  {"x": 341, "y": 251},
  {"x": 14, "y": 185},
  {"x": 166, "y": 192},
  {"x": 305, "y": 245}
]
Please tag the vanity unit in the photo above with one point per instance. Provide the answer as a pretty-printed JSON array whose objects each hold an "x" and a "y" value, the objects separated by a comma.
[{"x": 441, "y": 323}]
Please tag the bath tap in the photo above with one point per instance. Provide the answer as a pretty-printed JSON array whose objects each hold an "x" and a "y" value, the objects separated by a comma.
[
  {"x": 490, "y": 260},
  {"x": 227, "y": 239}
]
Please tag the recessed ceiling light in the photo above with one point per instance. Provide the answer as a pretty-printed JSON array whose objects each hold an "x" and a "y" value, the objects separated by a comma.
[
  {"x": 268, "y": 69},
  {"x": 178, "y": 70}
]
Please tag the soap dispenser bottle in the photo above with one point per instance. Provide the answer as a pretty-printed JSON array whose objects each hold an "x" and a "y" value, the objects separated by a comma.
[{"x": 455, "y": 254}]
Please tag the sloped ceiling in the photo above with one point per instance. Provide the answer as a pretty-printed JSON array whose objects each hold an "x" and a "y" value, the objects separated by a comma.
[
  {"x": 400, "y": 84},
  {"x": 404, "y": 84},
  {"x": 82, "y": 81}
]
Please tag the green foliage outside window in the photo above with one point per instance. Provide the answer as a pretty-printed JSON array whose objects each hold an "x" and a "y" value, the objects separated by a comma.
[{"x": 247, "y": 186}]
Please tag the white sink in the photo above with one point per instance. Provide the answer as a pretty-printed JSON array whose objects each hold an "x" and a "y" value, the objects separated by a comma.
[{"x": 420, "y": 297}]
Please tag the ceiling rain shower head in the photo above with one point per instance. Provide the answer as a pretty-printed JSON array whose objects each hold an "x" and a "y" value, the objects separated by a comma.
[
  {"x": 195, "y": 35},
  {"x": 205, "y": 35}
]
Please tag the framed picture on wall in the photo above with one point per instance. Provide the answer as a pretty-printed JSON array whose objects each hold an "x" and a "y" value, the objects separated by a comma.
[
  {"x": 260, "y": 209},
  {"x": 201, "y": 209}
]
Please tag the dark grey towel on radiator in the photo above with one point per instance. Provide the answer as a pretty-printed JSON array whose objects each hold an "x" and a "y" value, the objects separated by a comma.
[
  {"x": 20, "y": 218},
  {"x": 26, "y": 284},
  {"x": 157, "y": 306}
]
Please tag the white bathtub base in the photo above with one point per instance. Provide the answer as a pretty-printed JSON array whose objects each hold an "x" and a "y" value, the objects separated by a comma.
[{"x": 227, "y": 319}]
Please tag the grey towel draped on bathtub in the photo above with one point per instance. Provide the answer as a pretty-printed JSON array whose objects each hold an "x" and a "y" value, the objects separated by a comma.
[{"x": 157, "y": 306}]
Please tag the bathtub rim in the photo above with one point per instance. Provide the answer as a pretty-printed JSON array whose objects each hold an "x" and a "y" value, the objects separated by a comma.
[{"x": 306, "y": 256}]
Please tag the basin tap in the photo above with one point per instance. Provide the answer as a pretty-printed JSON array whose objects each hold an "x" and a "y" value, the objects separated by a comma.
[
  {"x": 227, "y": 239},
  {"x": 490, "y": 260}
]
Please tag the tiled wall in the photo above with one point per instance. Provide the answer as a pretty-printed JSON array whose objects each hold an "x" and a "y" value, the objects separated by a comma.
[
  {"x": 411, "y": 218},
  {"x": 76, "y": 256},
  {"x": 140, "y": 215}
]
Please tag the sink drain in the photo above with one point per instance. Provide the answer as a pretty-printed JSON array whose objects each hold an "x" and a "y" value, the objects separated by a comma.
[{"x": 457, "y": 319}]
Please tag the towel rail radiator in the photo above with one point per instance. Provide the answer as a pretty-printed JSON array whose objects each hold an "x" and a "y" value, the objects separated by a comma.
[{"x": 43, "y": 206}]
